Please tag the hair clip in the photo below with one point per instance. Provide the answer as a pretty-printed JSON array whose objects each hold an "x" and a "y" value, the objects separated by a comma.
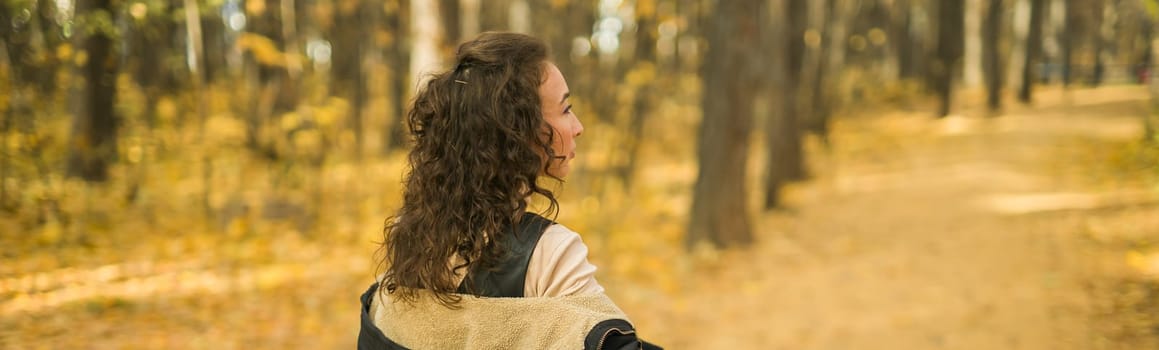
[{"x": 460, "y": 82}]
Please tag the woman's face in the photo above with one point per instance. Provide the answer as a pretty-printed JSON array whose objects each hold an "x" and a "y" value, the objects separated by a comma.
[{"x": 565, "y": 125}]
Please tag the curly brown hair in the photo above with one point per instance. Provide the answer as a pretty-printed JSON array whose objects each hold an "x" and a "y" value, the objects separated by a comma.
[{"x": 480, "y": 146}]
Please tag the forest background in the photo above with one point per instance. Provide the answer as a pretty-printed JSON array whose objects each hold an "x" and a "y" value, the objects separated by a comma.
[{"x": 215, "y": 173}]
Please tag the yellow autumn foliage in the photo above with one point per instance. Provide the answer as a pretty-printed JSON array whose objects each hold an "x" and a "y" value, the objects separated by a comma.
[
  {"x": 263, "y": 49},
  {"x": 1144, "y": 262}
]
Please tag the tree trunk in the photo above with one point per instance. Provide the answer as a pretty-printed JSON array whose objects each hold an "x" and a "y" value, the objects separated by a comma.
[
  {"x": 426, "y": 36},
  {"x": 1068, "y": 40},
  {"x": 256, "y": 74},
  {"x": 398, "y": 22},
  {"x": 213, "y": 45},
  {"x": 833, "y": 61},
  {"x": 469, "y": 15},
  {"x": 49, "y": 38},
  {"x": 645, "y": 61},
  {"x": 775, "y": 37},
  {"x": 1033, "y": 50},
  {"x": 1019, "y": 25},
  {"x": 559, "y": 33},
  {"x": 93, "y": 142},
  {"x": 783, "y": 131},
  {"x": 1053, "y": 29},
  {"x": 972, "y": 64},
  {"x": 31, "y": 41},
  {"x": 274, "y": 85},
  {"x": 950, "y": 50},
  {"x": 835, "y": 57},
  {"x": 14, "y": 98},
  {"x": 606, "y": 78},
  {"x": 197, "y": 73},
  {"x": 149, "y": 46},
  {"x": 452, "y": 23},
  {"x": 689, "y": 12},
  {"x": 493, "y": 16},
  {"x": 1151, "y": 120},
  {"x": 369, "y": 19},
  {"x": 903, "y": 41},
  {"x": 17, "y": 43},
  {"x": 719, "y": 214},
  {"x": 792, "y": 159},
  {"x": 196, "y": 59},
  {"x": 519, "y": 16},
  {"x": 812, "y": 65},
  {"x": 294, "y": 64},
  {"x": 1098, "y": 40},
  {"x": 972, "y": 70},
  {"x": 348, "y": 54},
  {"x": 580, "y": 18},
  {"x": 345, "y": 36},
  {"x": 992, "y": 55}
]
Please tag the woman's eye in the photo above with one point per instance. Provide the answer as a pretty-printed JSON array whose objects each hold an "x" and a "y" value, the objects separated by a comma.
[{"x": 567, "y": 110}]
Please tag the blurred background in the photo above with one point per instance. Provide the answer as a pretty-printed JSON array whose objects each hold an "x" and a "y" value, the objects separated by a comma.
[{"x": 754, "y": 174}]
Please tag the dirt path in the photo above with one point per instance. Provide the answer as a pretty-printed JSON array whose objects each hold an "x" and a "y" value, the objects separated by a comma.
[{"x": 958, "y": 235}]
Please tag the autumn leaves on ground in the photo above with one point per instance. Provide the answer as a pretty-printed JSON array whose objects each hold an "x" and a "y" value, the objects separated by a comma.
[{"x": 1037, "y": 229}]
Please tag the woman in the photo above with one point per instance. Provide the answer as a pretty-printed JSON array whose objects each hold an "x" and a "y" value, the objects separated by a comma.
[{"x": 466, "y": 265}]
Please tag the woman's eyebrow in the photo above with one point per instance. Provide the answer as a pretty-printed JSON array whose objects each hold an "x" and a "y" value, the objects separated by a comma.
[{"x": 565, "y": 96}]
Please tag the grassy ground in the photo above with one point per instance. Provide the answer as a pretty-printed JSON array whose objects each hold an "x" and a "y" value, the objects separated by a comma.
[{"x": 1033, "y": 230}]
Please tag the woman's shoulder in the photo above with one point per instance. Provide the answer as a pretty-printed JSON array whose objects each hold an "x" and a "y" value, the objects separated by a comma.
[
  {"x": 557, "y": 232},
  {"x": 560, "y": 242},
  {"x": 559, "y": 265}
]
